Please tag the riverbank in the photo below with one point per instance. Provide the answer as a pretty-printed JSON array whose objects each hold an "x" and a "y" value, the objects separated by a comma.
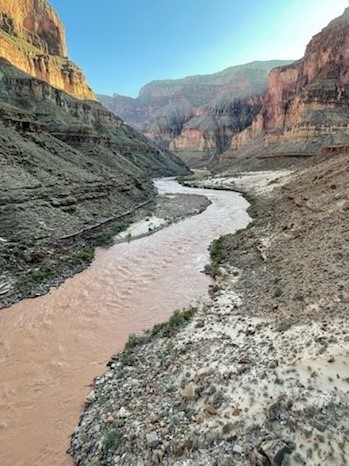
[
  {"x": 51, "y": 264},
  {"x": 53, "y": 346},
  {"x": 259, "y": 376}
]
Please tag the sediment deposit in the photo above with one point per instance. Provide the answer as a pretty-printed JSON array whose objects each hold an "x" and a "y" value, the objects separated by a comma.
[{"x": 259, "y": 375}]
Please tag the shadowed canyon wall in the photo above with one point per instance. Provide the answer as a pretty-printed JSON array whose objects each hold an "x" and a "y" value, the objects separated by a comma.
[
  {"x": 196, "y": 117},
  {"x": 68, "y": 166}
]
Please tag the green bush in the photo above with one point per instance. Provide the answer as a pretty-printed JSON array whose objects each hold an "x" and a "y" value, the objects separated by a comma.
[
  {"x": 85, "y": 254},
  {"x": 164, "y": 329},
  {"x": 111, "y": 439},
  {"x": 39, "y": 275},
  {"x": 277, "y": 292},
  {"x": 106, "y": 238}
]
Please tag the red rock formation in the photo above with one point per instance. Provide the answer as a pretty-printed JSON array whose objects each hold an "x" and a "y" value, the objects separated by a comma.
[
  {"x": 198, "y": 115},
  {"x": 307, "y": 101},
  {"x": 32, "y": 38}
]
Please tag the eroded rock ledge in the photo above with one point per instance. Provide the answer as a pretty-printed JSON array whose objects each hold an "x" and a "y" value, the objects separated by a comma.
[
  {"x": 32, "y": 38},
  {"x": 67, "y": 166},
  {"x": 306, "y": 104}
]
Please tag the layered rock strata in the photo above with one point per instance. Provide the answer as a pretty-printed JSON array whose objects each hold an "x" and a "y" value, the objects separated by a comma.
[
  {"x": 67, "y": 167},
  {"x": 210, "y": 134},
  {"x": 196, "y": 116},
  {"x": 306, "y": 104},
  {"x": 32, "y": 38}
]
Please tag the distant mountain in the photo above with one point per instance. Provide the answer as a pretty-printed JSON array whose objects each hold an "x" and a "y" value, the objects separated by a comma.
[{"x": 197, "y": 116}]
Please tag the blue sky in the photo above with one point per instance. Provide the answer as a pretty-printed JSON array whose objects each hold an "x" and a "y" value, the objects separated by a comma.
[{"x": 123, "y": 44}]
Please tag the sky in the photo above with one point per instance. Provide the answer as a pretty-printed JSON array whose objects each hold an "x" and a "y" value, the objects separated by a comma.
[{"x": 123, "y": 44}]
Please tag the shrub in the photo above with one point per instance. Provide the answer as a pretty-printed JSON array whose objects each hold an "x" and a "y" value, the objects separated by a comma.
[
  {"x": 111, "y": 439},
  {"x": 278, "y": 292},
  {"x": 39, "y": 275},
  {"x": 85, "y": 254},
  {"x": 106, "y": 238},
  {"x": 164, "y": 329}
]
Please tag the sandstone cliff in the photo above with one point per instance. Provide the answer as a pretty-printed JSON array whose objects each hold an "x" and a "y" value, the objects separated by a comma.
[
  {"x": 306, "y": 104},
  {"x": 197, "y": 116},
  {"x": 32, "y": 38}
]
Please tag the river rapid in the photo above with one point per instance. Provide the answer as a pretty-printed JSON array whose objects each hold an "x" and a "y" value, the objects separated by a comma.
[{"x": 52, "y": 347}]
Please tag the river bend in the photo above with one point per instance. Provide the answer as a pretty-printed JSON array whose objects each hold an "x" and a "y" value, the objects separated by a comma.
[{"x": 53, "y": 346}]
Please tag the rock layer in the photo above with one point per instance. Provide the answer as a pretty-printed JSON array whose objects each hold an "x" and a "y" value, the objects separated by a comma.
[
  {"x": 32, "y": 38},
  {"x": 306, "y": 104},
  {"x": 196, "y": 116},
  {"x": 205, "y": 136},
  {"x": 67, "y": 167}
]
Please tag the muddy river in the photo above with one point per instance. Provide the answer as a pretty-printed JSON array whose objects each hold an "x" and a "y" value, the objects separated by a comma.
[{"x": 53, "y": 346}]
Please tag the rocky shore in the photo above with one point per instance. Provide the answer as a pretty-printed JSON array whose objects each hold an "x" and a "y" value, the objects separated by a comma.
[
  {"x": 51, "y": 265},
  {"x": 258, "y": 375}
]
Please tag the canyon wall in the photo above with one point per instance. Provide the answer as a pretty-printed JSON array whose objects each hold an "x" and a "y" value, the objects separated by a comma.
[
  {"x": 71, "y": 171},
  {"x": 32, "y": 38},
  {"x": 196, "y": 117},
  {"x": 306, "y": 104}
]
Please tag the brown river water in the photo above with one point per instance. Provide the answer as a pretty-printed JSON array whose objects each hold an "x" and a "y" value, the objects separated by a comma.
[{"x": 52, "y": 347}]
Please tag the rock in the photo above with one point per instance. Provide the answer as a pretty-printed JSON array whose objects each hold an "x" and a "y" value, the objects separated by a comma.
[
  {"x": 189, "y": 391},
  {"x": 180, "y": 448},
  {"x": 91, "y": 397},
  {"x": 123, "y": 413},
  {"x": 237, "y": 449},
  {"x": 308, "y": 430},
  {"x": 295, "y": 93},
  {"x": 157, "y": 456},
  {"x": 204, "y": 372},
  {"x": 211, "y": 410},
  {"x": 244, "y": 360},
  {"x": 152, "y": 439},
  {"x": 168, "y": 114},
  {"x": 38, "y": 25},
  {"x": 110, "y": 419},
  {"x": 5, "y": 287},
  {"x": 200, "y": 323},
  {"x": 320, "y": 426}
]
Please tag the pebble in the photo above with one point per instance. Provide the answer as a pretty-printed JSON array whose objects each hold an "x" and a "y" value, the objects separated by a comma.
[
  {"x": 189, "y": 391},
  {"x": 237, "y": 449},
  {"x": 152, "y": 439},
  {"x": 91, "y": 397},
  {"x": 123, "y": 412}
]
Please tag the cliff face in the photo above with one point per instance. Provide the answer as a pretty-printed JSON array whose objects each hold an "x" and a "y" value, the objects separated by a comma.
[
  {"x": 32, "y": 38},
  {"x": 306, "y": 104},
  {"x": 197, "y": 116},
  {"x": 67, "y": 167},
  {"x": 209, "y": 134}
]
